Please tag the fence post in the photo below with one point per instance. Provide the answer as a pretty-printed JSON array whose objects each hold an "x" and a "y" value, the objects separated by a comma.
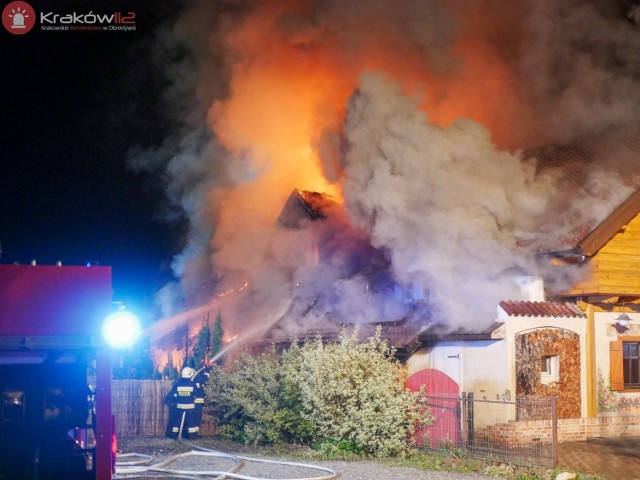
[
  {"x": 460, "y": 417},
  {"x": 470, "y": 436},
  {"x": 554, "y": 430}
]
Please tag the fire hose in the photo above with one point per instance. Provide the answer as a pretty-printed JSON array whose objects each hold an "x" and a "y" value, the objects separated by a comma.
[{"x": 136, "y": 469}]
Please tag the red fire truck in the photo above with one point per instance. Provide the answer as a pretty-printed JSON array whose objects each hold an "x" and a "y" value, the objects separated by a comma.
[{"x": 55, "y": 373}]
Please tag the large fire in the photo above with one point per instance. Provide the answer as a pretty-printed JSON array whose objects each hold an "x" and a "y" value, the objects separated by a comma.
[
  {"x": 409, "y": 114},
  {"x": 290, "y": 85}
]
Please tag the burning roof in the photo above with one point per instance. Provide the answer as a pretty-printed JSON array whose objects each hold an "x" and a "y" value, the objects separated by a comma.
[{"x": 304, "y": 205}]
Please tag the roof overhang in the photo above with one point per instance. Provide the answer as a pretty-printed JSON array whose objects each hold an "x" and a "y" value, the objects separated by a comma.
[{"x": 438, "y": 333}]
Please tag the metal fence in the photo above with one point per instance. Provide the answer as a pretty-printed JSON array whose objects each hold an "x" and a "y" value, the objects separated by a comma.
[{"x": 524, "y": 431}]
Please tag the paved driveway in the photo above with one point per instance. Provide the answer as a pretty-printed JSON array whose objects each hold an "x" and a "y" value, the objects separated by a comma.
[{"x": 610, "y": 458}]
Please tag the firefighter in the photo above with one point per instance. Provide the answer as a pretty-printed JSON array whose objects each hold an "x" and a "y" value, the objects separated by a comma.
[
  {"x": 199, "y": 379},
  {"x": 181, "y": 406}
]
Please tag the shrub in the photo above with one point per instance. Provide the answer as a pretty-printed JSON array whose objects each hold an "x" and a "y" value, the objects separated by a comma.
[
  {"x": 354, "y": 392},
  {"x": 208, "y": 342},
  {"x": 346, "y": 397},
  {"x": 253, "y": 402}
]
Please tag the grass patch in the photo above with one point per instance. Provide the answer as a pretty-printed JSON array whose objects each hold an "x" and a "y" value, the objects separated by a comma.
[{"x": 452, "y": 461}]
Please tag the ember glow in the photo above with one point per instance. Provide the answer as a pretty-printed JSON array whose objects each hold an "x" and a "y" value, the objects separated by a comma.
[{"x": 413, "y": 116}]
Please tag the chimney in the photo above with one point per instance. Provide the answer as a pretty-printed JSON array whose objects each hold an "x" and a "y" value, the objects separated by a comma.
[{"x": 531, "y": 288}]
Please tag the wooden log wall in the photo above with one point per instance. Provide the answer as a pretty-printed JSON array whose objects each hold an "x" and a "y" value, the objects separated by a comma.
[{"x": 615, "y": 268}]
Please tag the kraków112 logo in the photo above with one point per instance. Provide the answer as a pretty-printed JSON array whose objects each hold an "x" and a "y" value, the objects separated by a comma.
[{"x": 18, "y": 18}]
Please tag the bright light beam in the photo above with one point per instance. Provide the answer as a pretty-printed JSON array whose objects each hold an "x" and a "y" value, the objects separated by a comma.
[{"x": 121, "y": 329}]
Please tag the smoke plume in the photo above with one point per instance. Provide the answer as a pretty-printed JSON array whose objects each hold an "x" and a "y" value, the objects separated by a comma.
[{"x": 421, "y": 119}]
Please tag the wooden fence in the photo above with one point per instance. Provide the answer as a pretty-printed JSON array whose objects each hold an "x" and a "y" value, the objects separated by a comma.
[{"x": 138, "y": 408}]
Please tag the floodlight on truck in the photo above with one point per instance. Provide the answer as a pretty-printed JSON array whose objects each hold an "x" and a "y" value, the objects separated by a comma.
[{"x": 121, "y": 329}]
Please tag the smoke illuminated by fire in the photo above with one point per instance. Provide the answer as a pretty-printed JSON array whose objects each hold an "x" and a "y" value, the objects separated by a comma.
[{"x": 413, "y": 116}]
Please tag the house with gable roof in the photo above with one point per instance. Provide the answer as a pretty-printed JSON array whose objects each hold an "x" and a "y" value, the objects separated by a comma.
[
  {"x": 533, "y": 348},
  {"x": 497, "y": 362},
  {"x": 581, "y": 347}
]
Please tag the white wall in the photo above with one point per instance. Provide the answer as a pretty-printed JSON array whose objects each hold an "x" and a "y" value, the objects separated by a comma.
[
  {"x": 487, "y": 368},
  {"x": 477, "y": 366},
  {"x": 605, "y": 333},
  {"x": 486, "y": 371}
]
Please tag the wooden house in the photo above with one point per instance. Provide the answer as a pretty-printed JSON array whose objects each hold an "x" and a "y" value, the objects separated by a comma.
[{"x": 610, "y": 295}]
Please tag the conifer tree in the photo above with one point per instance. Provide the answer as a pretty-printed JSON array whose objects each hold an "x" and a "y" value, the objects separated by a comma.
[
  {"x": 216, "y": 335},
  {"x": 201, "y": 347}
]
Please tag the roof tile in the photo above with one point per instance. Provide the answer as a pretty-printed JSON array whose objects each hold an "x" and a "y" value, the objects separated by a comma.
[{"x": 541, "y": 309}]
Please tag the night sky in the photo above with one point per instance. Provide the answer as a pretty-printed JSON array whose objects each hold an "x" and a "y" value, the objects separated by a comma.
[{"x": 74, "y": 103}]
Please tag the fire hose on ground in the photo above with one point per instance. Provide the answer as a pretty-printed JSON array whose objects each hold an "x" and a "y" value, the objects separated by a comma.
[{"x": 138, "y": 468}]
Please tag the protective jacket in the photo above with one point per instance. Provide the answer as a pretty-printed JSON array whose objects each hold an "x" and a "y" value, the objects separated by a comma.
[
  {"x": 199, "y": 379},
  {"x": 181, "y": 401}
]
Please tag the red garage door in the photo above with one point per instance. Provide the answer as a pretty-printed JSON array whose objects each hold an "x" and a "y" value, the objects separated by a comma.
[{"x": 444, "y": 403}]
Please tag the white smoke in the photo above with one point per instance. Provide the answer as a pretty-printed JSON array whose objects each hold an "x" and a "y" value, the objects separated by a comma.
[{"x": 446, "y": 204}]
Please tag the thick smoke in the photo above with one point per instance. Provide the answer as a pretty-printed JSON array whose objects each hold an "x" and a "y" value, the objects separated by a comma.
[
  {"x": 581, "y": 66},
  {"x": 446, "y": 204},
  {"x": 422, "y": 120}
]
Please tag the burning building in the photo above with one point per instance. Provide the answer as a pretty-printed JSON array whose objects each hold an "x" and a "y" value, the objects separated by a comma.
[{"x": 422, "y": 122}]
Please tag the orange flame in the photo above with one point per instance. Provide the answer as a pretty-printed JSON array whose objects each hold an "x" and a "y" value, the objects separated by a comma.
[{"x": 286, "y": 91}]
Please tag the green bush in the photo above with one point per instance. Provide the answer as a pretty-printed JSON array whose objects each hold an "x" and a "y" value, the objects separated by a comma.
[
  {"x": 354, "y": 392},
  {"x": 344, "y": 397},
  {"x": 253, "y": 402}
]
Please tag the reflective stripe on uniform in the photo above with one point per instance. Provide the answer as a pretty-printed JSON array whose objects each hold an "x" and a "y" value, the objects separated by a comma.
[
  {"x": 186, "y": 406},
  {"x": 199, "y": 400}
]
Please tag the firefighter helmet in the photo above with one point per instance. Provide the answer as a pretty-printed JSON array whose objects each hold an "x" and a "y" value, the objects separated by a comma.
[{"x": 187, "y": 372}]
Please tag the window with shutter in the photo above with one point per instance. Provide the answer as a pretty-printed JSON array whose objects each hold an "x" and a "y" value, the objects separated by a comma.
[
  {"x": 624, "y": 356},
  {"x": 631, "y": 364}
]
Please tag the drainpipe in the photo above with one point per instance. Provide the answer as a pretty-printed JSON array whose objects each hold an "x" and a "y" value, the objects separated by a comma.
[{"x": 591, "y": 362}]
